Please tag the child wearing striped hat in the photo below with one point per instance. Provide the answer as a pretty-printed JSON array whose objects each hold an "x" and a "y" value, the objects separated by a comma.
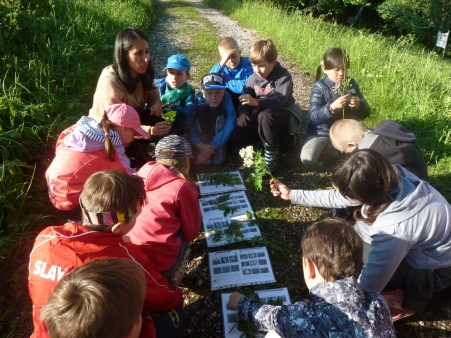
[{"x": 172, "y": 218}]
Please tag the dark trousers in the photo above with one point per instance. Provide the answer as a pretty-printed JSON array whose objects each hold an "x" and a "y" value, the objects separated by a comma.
[
  {"x": 268, "y": 125},
  {"x": 207, "y": 120},
  {"x": 170, "y": 324}
]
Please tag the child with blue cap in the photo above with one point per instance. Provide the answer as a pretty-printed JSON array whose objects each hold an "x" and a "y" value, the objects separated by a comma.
[
  {"x": 215, "y": 119},
  {"x": 176, "y": 94}
]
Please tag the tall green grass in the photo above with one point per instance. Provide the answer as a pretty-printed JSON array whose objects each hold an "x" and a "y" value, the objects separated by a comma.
[
  {"x": 51, "y": 54},
  {"x": 399, "y": 80}
]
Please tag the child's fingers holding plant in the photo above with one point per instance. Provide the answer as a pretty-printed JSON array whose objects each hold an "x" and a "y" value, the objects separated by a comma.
[
  {"x": 234, "y": 300},
  {"x": 341, "y": 102},
  {"x": 354, "y": 102},
  {"x": 242, "y": 120},
  {"x": 161, "y": 128},
  {"x": 279, "y": 189}
]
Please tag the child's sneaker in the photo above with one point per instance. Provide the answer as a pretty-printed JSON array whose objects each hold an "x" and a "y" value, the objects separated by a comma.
[{"x": 220, "y": 155}]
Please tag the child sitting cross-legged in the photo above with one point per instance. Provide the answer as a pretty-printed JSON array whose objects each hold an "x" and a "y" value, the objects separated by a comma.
[
  {"x": 332, "y": 260},
  {"x": 172, "y": 217},
  {"x": 104, "y": 297},
  {"x": 215, "y": 119},
  {"x": 110, "y": 201},
  {"x": 176, "y": 94}
]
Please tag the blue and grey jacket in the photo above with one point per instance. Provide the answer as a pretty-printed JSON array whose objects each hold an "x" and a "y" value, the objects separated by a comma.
[
  {"x": 335, "y": 309},
  {"x": 235, "y": 78},
  {"x": 324, "y": 93}
]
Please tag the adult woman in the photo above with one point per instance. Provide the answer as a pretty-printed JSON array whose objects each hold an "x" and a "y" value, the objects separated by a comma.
[
  {"x": 405, "y": 221},
  {"x": 130, "y": 80}
]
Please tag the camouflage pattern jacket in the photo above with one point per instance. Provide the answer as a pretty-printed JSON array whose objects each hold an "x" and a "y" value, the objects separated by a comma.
[{"x": 335, "y": 309}]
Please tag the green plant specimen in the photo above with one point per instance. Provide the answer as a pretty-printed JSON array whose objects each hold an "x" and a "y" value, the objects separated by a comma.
[
  {"x": 255, "y": 159},
  {"x": 224, "y": 178}
]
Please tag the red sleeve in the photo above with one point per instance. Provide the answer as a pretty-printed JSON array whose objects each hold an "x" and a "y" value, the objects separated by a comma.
[
  {"x": 190, "y": 215},
  {"x": 159, "y": 295}
]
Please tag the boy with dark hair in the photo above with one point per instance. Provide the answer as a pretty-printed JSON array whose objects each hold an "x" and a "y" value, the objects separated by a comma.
[
  {"x": 104, "y": 297},
  {"x": 110, "y": 201},
  {"x": 234, "y": 68},
  {"x": 267, "y": 104},
  {"x": 332, "y": 261}
]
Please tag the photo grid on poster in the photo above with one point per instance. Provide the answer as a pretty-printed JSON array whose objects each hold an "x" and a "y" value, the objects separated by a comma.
[
  {"x": 206, "y": 187},
  {"x": 240, "y": 267},
  {"x": 222, "y": 228},
  {"x": 230, "y": 317},
  {"x": 237, "y": 200}
]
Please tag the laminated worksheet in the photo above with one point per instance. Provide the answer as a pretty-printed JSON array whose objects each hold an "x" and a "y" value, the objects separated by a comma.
[
  {"x": 240, "y": 267},
  {"x": 230, "y": 317},
  {"x": 208, "y": 183},
  {"x": 225, "y": 232},
  {"x": 225, "y": 208}
]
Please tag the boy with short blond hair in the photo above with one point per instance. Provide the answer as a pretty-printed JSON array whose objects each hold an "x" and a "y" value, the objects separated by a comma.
[
  {"x": 234, "y": 68},
  {"x": 110, "y": 201},
  {"x": 267, "y": 104},
  {"x": 104, "y": 297},
  {"x": 332, "y": 260}
]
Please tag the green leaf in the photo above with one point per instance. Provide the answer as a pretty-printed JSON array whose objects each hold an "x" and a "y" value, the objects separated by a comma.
[{"x": 248, "y": 215}]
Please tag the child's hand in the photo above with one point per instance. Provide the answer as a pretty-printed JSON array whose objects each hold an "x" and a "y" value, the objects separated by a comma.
[
  {"x": 156, "y": 109},
  {"x": 201, "y": 158},
  {"x": 341, "y": 102},
  {"x": 234, "y": 299},
  {"x": 279, "y": 189},
  {"x": 354, "y": 102},
  {"x": 248, "y": 100},
  {"x": 161, "y": 128},
  {"x": 242, "y": 120},
  {"x": 226, "y": 57}
]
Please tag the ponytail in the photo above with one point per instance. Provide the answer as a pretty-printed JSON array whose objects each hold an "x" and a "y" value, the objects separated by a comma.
[
  {"x": 318, "y": 72},
  {"x": 109, "y": 147}
]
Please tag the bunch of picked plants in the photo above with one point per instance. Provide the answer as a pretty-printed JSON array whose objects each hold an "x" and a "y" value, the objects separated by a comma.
[{"x": 255, "y": 159}]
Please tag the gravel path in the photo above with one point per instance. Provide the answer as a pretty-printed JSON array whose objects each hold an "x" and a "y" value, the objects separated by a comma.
[{"x": 202, "y": 305}]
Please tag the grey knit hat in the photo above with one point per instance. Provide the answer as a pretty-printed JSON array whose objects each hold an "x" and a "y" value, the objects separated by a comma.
[{"x": 179, "y": 146}]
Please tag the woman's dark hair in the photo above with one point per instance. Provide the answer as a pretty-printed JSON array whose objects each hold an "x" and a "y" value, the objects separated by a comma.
[
  {"x": 333, "y": 58},
  {"x": 124, "y": 41},
  {"x": 366, "y": 176}
]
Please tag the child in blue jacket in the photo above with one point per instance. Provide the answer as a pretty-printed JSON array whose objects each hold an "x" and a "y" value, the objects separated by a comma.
[
  {"x": 336, "y": 96},
  {"x": 234, "y": 68},
  {"x": 215, "y": 119},
  {"x": 176, "y": 94}
]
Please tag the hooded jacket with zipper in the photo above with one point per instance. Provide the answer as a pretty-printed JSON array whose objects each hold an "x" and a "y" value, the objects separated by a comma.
[
  {"x": 80, "y": 152},
  {"x": 171, "y": 215},
  {"x": 416, "y": 227},
  {"x": 396, "y": 144},
  {"x": 58, "y": 250}
]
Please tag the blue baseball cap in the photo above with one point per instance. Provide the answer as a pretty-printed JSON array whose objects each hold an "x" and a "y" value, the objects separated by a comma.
[
  {"x": 213, "y": 81},
  {"x": 178, "y": 61}
]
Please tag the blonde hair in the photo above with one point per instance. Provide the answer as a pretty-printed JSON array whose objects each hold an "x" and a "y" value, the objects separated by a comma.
[
  {"x": 109, "y": 147},
  {"x": 104, "y": 297},
  {"x": 178, "y": 165},
  {"x": 344, "y": 131},
  {"x": 228, "y": 43},
  {"x": 263, "y": 50}
]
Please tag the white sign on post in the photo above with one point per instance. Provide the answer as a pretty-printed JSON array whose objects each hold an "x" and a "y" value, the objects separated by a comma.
[{"x": 442, "y": 39}]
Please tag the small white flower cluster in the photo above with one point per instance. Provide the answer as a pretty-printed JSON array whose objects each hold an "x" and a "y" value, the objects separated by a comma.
[{"x": 247, "y": 154}]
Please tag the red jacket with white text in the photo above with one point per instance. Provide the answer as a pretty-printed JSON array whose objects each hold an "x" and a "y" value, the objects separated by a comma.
[{"x": 60, "y": 249}]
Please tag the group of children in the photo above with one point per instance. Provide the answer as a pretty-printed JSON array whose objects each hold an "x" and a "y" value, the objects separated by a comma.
[{"x": 151, "y": 215}]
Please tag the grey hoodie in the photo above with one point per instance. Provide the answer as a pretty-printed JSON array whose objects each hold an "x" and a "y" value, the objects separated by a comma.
[{"x": 416, "y": 226}]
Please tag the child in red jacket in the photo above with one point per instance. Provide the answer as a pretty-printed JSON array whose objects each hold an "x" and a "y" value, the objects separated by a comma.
[
  {"x": 172, "y": 217},
  {"x": 111, "y": 200}
]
